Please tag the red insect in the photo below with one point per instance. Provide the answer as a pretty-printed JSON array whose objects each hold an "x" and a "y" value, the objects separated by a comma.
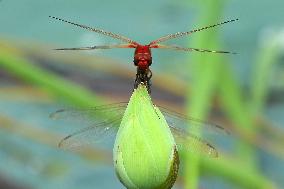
[{"x": 142, "y": 54}]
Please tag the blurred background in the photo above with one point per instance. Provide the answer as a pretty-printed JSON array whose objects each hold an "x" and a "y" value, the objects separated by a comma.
[{"x": 244, "y": 92}]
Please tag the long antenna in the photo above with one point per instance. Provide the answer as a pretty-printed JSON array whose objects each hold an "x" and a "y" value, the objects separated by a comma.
[
  {"x": 107, "y": 33},
  {"x": 181, "y": 34}
]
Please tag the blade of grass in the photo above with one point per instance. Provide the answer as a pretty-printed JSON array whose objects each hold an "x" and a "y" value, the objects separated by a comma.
[
  {"x": 60, "y": 88},
  {"x": 266, "y": 58},
  {"x": 237, "y": 110},
  {"x": 204, "y": 81}
]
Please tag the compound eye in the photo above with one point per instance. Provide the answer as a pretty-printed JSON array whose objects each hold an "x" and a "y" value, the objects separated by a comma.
[{"x": 135, "y": 61}]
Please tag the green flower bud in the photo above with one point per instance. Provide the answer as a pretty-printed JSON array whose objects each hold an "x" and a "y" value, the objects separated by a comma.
[{"x": 145, "y": 153}]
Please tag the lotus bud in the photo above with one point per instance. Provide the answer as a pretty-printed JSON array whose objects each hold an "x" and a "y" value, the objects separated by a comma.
[{"x": 145, "y": 153}]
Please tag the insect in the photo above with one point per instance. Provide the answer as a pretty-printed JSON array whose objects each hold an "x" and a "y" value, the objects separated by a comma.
[
  {"x": 142, "y": 53},
  {"x": 96, "y": 129}
]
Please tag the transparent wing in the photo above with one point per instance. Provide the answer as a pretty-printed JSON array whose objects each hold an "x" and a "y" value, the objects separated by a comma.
[
  {"x": 188, "y": 131},
  {"x": 192, "y": 143},
  {"x": 181, "y": 34},
  {"x": 194, "y": 125},
  {"x": 173, "y": 47},
  {"x": 101, "y": 122},
  {"x": 107, "y": 33},
  {"x": 87, "y": 136},
  {"x": 97, "y": 124},
  {"x": 99, "y": 47}
]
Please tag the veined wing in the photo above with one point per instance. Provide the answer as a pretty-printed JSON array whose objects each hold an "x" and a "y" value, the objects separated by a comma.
[
  {"x": 95, "y": 129},
  {"x": 189, "y": 132},
  {"x": 106, "y": 33},
  {"x": 192, "y": 143},
  {"x": 181, "y": 34},
  {"x": 194, "y": 125},
  {"x": 96, "y": 124}
]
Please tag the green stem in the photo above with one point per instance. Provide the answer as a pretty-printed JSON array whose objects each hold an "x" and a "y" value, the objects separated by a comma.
[
  {"x": 204, "y": 73},
  {"x": 265, "y": 60},
  {"x": 238, "y": 112}
]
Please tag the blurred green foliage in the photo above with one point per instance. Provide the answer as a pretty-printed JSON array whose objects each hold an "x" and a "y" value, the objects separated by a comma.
[{"x": 212, "y": 78}]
